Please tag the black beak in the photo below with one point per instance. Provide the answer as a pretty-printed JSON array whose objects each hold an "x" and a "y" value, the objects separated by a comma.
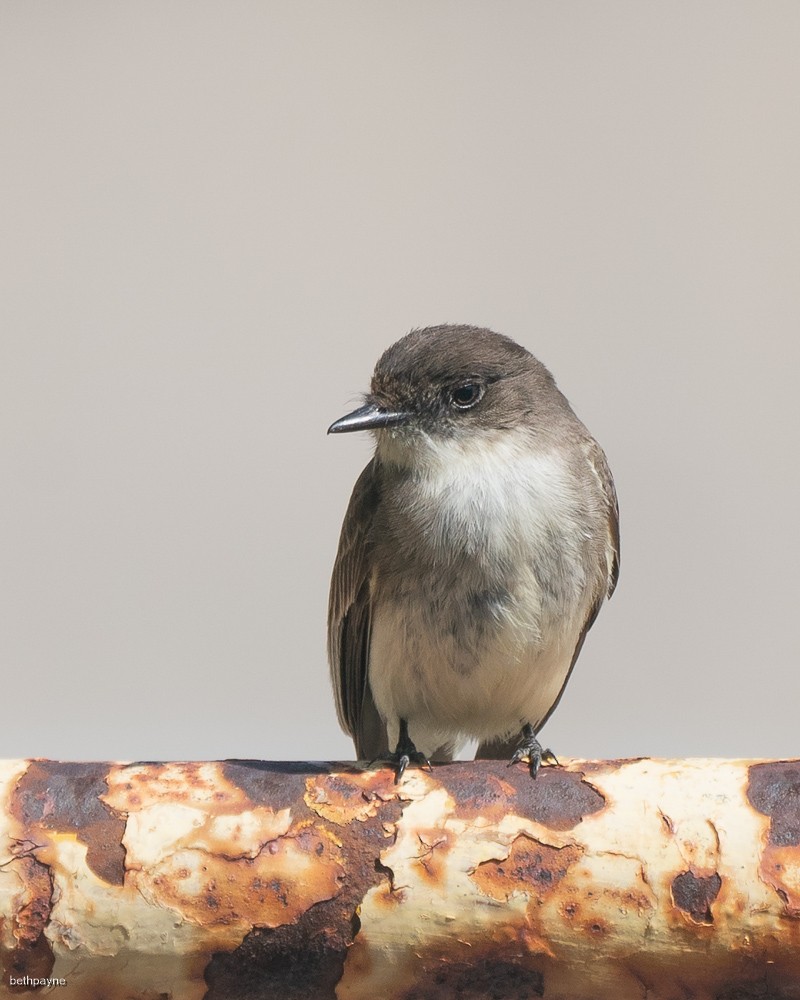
[{"x": 366, "y": 418}]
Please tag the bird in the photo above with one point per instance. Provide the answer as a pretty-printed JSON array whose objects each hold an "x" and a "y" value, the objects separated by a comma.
[{"x": 477, "y": 549}]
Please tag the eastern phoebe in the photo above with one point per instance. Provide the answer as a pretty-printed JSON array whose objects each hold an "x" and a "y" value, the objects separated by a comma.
[{"x": 477, "y": 549}]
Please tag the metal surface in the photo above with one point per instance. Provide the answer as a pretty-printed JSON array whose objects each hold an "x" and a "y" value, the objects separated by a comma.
[{"x": 251, "y": 880}]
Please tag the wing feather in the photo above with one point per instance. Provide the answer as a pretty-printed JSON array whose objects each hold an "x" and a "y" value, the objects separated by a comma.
[
  {"x": 349, "y": 621},
  {"x": 599, "y": 464}
]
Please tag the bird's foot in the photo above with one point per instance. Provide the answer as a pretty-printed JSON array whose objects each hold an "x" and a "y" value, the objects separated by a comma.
[
  {"x": 405, "y": 753},
  {"x": 530, "y": 748},
  {"x": 400, "y": 758}
]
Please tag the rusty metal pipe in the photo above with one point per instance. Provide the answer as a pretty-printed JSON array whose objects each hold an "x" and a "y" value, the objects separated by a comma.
[{"x": 243, "y": 880}]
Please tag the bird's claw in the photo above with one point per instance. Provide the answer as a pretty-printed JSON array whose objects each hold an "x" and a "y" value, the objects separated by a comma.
[
  {"x": 535, "y": 753},
  {"x": 400, "y": 760}
]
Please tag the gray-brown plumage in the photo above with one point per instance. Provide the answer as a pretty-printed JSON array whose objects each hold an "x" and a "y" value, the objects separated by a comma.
[{"x": 477, "y": 549}]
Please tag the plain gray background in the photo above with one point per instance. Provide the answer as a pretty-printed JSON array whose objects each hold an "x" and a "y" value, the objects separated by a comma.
[{"x": 215, "y": 216}]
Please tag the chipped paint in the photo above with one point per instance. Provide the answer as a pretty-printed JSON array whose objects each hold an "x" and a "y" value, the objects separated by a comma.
[
  {"x": 774, "y": 790},
  {"x": 695, "y": 895},
  {"x": 223, "y": 880},
  {"x": 65, "y": 797},
  {"x": 531, "y": 867},
  {"x": 346, "y": 798}
]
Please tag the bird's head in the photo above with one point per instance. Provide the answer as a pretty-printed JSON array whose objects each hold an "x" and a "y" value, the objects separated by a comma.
[{"x": 451, "y": 382}]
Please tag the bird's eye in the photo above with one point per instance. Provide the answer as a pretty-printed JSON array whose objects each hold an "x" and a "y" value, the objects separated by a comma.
[{"x": 467, "y": 395}]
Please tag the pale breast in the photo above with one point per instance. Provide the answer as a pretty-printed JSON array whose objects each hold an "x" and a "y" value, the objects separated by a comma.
[{"x": 480, "y": 515}]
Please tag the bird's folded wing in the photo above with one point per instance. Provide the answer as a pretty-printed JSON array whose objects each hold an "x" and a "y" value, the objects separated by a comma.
[
  {"x": 599, "y": 464},
  {"x": 349, "y": 613}
]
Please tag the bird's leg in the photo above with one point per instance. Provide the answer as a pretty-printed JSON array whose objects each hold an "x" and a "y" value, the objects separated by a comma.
[
  {"x": 405, "y": 753},
  {"x": 531, "y": 748}
]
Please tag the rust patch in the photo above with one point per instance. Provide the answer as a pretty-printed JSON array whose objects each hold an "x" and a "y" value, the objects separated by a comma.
[
  {"x": 774, "y": 790},
  {"x": 293, "y": 962},
  {"x": 32, "y": 905},
  {"x": 484, "y": 794},
  {"x": 557, "y": 798},
  {"x": 694, "y": 895},
  {"x": 229, "y": 786},
  {"x": 478, "y": 980},
  {"x": 530, "y": 866},
  {"x": 778, "y": 869},
  {"x": 141, "y": 784},
  {"x": 306, "y": 958},
  {"x": 65, "y": 797},
  {"x": 290, "y": 874},
  {"x": 197, "y": 784},
  {"x": 278, "y": 784},
  {"x": 342, "y": 798}
]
